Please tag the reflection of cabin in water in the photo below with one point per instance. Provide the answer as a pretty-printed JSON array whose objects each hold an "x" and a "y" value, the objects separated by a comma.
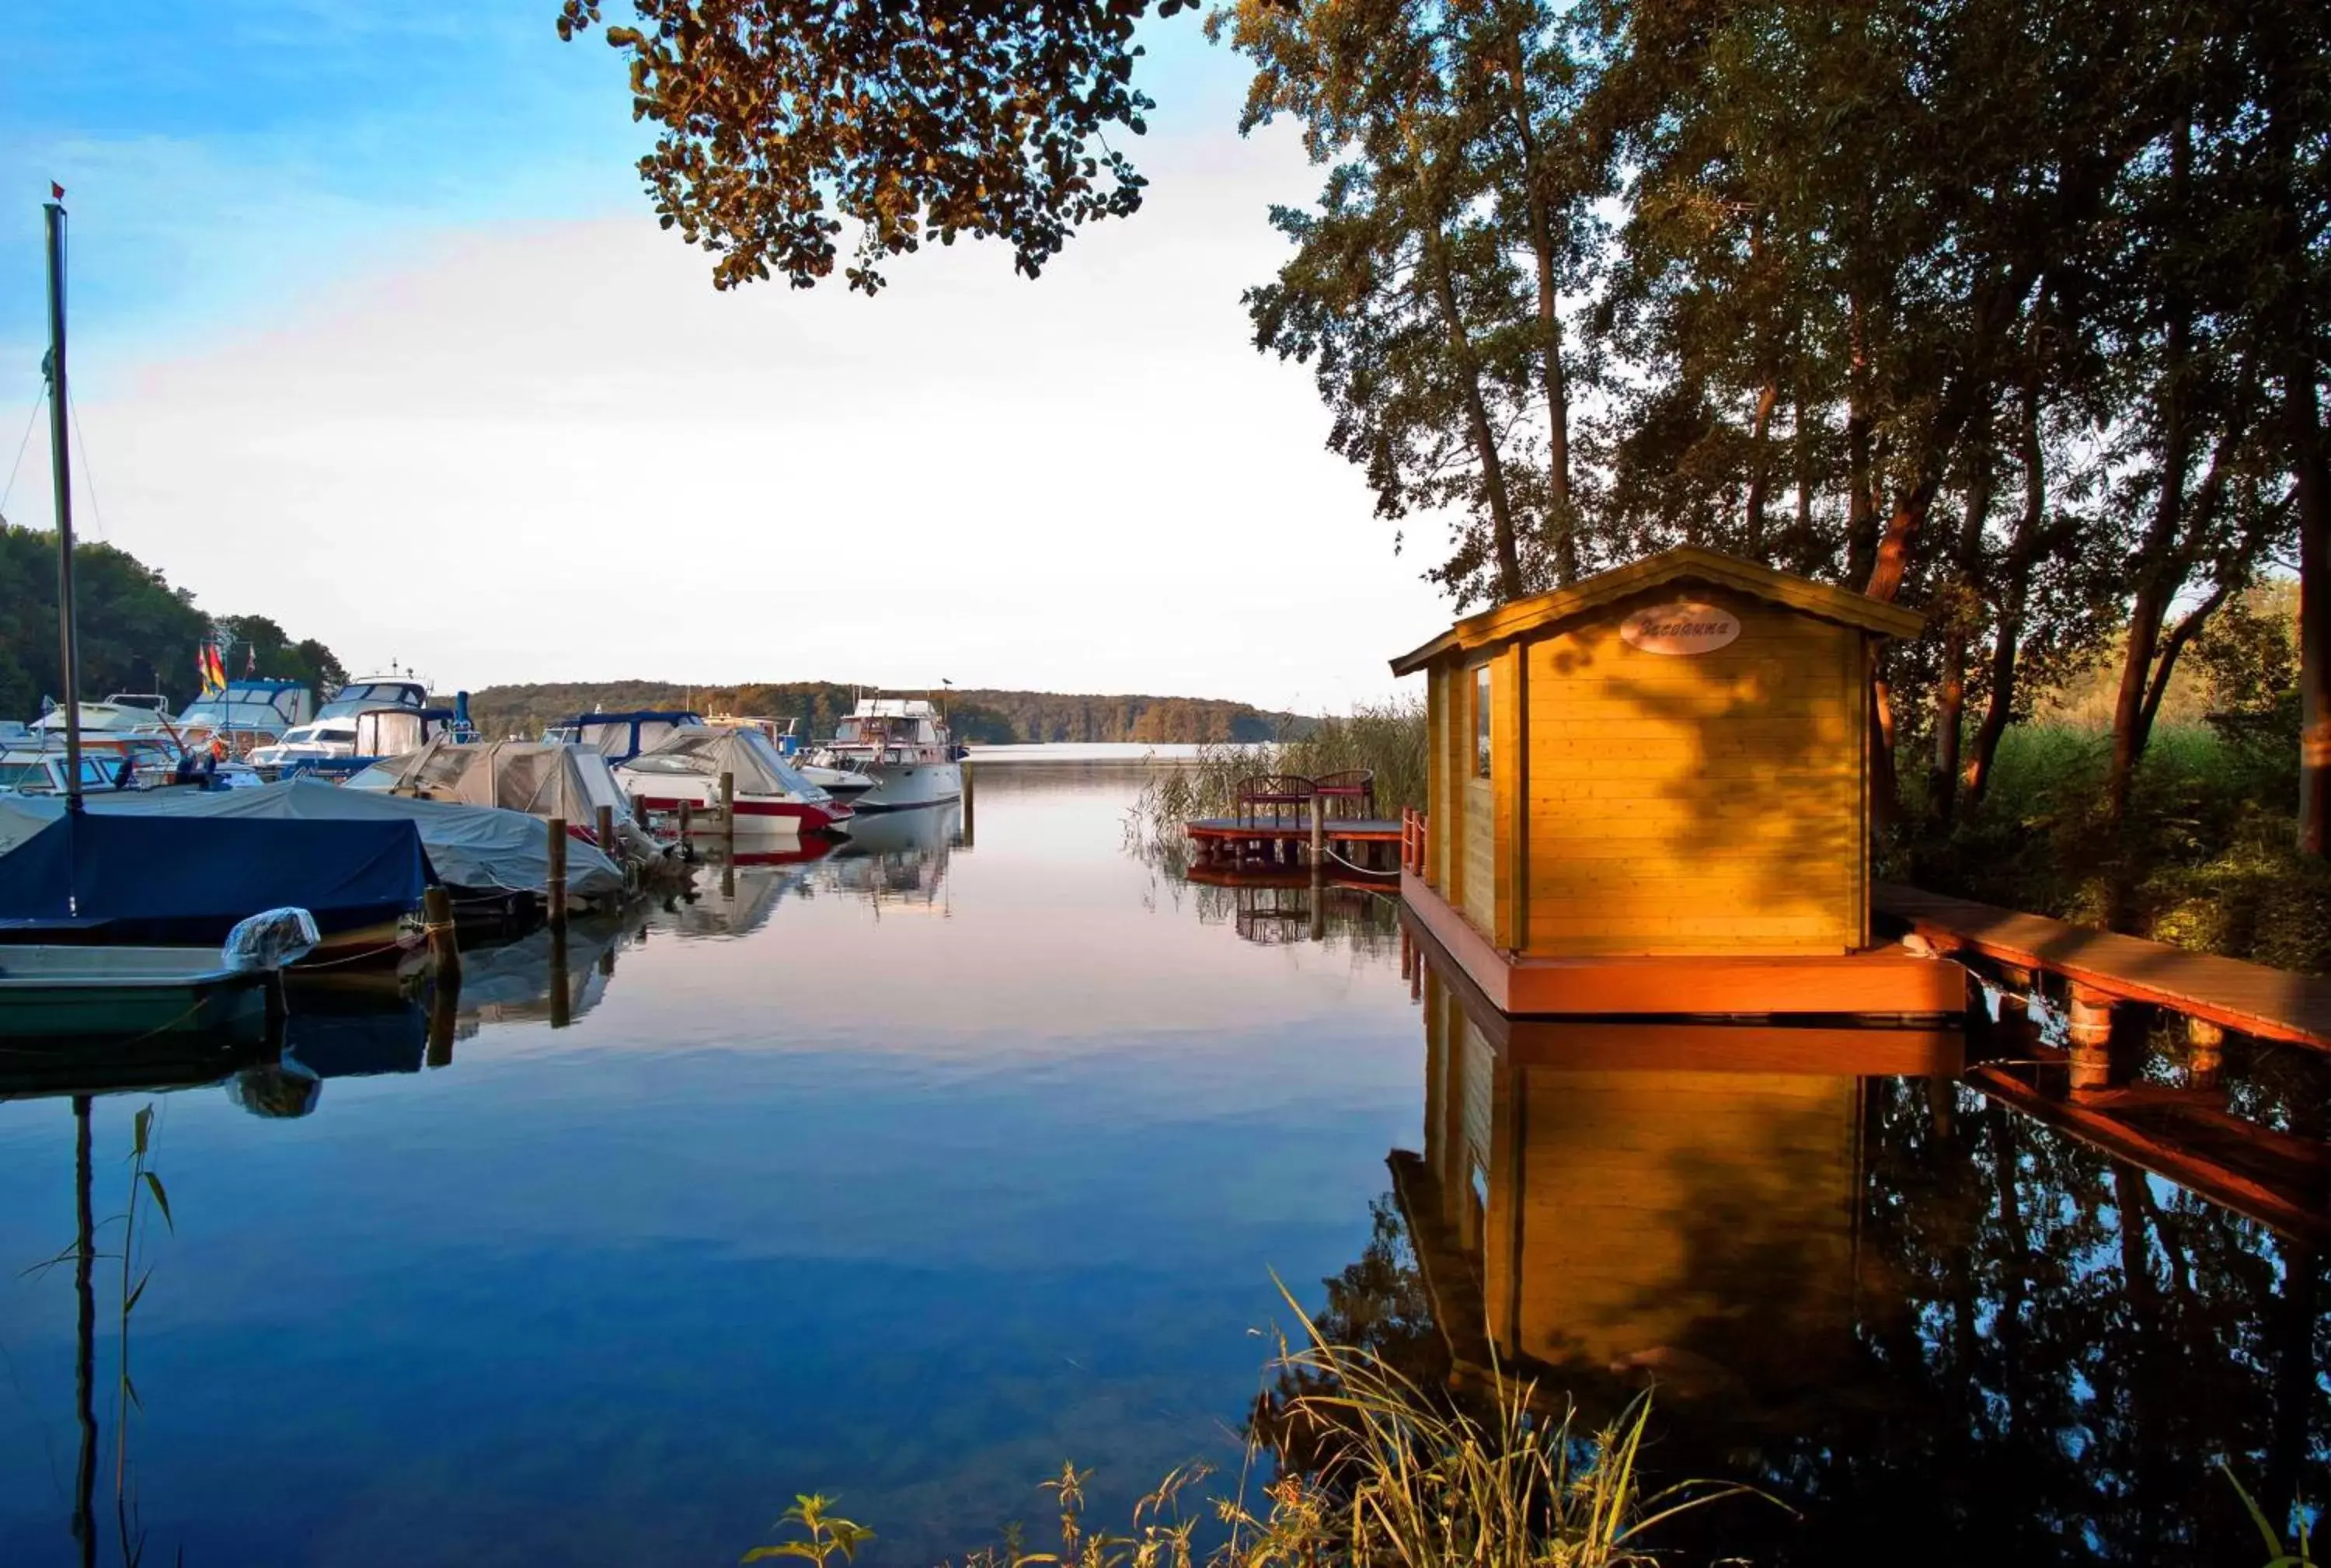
[
  {"x": 1609, "y": 1201},
  {"x": 1666, "y": 762}
]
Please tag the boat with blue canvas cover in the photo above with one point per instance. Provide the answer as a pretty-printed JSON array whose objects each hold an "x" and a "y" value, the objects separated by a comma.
[
  {"x": 142, "y": 879},
  {"x": 474, "y": 850}
]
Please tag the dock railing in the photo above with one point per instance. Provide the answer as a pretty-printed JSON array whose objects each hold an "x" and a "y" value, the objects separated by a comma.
[{"x": 1412, "y": 840}]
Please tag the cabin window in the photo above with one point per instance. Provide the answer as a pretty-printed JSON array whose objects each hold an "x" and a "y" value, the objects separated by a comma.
[{"x": 1481, "y": 721}]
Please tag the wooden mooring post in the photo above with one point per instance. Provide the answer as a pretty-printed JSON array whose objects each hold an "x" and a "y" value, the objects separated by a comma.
[
  {"x": 683, "y": 822},
  {"x": 640, "y": 812},
  {"x": 607, "y": 832},
  {"x": 557, "y": 879},
  {"x": 562, "y": 1002},
  {"x": 437, "y": 923},
  {"x": 728, "y": 806},
  {"x": 2205, "y": 1054},
  {"x": 1318, "y": 832}
]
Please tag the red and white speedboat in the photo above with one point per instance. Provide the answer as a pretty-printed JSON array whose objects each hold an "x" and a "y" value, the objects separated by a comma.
[{"x": 771, "y": 796}]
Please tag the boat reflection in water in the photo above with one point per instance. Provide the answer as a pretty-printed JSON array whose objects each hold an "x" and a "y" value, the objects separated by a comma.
[
  {"x": 894, "y": 861},
  {"x": 1853, "y": 1279}
]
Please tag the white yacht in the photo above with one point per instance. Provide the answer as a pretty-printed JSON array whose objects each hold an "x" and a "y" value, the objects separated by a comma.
[
  {"x": 121, "y": 713},
  {"x": 248, "y": 713},
  {"x": 902, "y": 744}
]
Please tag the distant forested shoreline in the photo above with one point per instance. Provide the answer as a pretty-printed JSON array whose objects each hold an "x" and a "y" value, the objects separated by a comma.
[{"x": 981, "y": 716}]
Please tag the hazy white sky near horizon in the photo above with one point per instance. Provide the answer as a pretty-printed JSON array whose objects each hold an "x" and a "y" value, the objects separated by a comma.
[{"x": 400, "y": 358}]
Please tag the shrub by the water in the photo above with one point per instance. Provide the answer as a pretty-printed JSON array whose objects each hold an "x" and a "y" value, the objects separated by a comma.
[
  {"x": 1386, "y": 740},
  {"x": 2204, "y": 858}
]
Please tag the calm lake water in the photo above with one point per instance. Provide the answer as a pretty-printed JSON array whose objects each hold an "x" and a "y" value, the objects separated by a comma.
[{"x": 907, "y": 1173}]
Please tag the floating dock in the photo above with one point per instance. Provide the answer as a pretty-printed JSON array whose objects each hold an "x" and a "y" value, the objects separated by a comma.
[{"x": 1363, "y": 844}]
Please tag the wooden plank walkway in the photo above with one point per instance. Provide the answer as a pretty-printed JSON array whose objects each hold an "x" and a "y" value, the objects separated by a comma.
[{"x": 2250, "y": 998}]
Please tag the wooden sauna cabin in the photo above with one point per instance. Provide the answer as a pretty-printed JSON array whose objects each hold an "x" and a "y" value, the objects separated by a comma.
[{"x": 1650, "y": 793}]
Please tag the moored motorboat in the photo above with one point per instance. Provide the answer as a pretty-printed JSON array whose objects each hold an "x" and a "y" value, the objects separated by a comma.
[
  {"x": 902, "y": 744},
  {"x": 770, "y": 795},
  {"x": 242, "y": 715},
  {"x": 113, "y": 991}
]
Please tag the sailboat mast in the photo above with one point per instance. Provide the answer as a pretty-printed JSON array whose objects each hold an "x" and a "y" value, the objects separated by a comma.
[{"x": 60, "y": 414}]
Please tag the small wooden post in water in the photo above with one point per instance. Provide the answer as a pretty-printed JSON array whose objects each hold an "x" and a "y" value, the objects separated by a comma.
[
  {"x": 2205, "y": 1053},
  {"x": 729, "y": 805},
  {"x": 969, "y": 800},
  {"x": 2088, "y": 1018},
  {"x": 561, "y": 1003},
  {"x": 437, "y": 923},
  {"x": 607, "y": 832},
  {"x": 557, "y": 880},
  {"x": 640, "y": 812},
  {"x": 444, "y": 1010},
  {"x": 684, "y": 814},
  {"x": 1318, "y": 831}
]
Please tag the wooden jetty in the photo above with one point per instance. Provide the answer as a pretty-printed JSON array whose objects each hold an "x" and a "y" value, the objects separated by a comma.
[
  {"x": 1284, "y": 820},
  {"x": 2102, "y": 968}
]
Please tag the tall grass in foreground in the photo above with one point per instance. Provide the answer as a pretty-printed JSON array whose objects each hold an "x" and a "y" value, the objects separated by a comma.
[
  {"x": 1397, "y": 1476},
  {"x": 1386, "y": 740}
]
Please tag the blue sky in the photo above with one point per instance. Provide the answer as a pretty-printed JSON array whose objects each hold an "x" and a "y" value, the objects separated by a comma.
[
  {"x": 215, "y": 153},
  {"x": 354, "y": 279}
]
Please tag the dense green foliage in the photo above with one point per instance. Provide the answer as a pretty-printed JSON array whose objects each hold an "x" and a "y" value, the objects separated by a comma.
[
  {"x": 2013, "y": 310},
  {"x": 137, "y": 634},
  {"x": 2203, "y": 860},
  {"x": 979, "y": 717},
  {"x": 2008, "y": 309}
]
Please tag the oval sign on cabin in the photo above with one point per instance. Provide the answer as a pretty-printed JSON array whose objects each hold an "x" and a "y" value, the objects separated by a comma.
[{"x": 1682, "y": 627}]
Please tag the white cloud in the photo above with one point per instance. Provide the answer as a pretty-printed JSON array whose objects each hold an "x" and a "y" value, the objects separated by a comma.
[{"x": 552, "y": 452}]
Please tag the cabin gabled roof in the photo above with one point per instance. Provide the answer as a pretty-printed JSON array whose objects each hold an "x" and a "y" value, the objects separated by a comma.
[{"x": 1821, "y": 600}]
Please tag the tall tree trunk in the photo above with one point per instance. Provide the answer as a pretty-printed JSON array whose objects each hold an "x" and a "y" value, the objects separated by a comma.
[
  {"x": 2314, "y": 498},
  {"x": 2288, "y": 119},
  {"x": 2156, "y": 584},
  {"x": 1760, "y": 466},
  {"x": 1476, "y": 414},
  {"x": 2015, "y": 596},
  {"x": 1885, "y": 784},
  {"x": 1860, "y": 515},
  {"x": 1562, "y": 521},
  {"x": 1800, "y": 543},
  {"x": 1950, "y": 685}
]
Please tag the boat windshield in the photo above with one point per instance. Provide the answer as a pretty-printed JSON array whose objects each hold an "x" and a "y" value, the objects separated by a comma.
[
  {"x": 358, "y": 695},
  {"x": 242, "y": 706}
]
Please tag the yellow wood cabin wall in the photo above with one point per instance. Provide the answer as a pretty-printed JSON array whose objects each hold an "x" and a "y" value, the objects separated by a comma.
[
  {"x": 1711, "y": 804},
  {"x": 1460, "y": 1072},
  {"x": 1441, "y": 826},
  {"x": 1636, "y": 1214}
]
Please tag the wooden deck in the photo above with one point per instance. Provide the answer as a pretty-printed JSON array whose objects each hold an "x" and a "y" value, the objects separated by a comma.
[
  {"x": 1886, "y": 982},
  {"x": 1369, "y": 844},
  {"x": 2249, "y": 998}
]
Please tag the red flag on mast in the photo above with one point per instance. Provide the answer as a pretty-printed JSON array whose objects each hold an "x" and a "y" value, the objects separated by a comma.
[{"x": 56, "y": 191}]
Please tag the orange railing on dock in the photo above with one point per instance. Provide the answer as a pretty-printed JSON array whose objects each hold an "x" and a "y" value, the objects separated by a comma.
[{"x": 1412, "y": 840}]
